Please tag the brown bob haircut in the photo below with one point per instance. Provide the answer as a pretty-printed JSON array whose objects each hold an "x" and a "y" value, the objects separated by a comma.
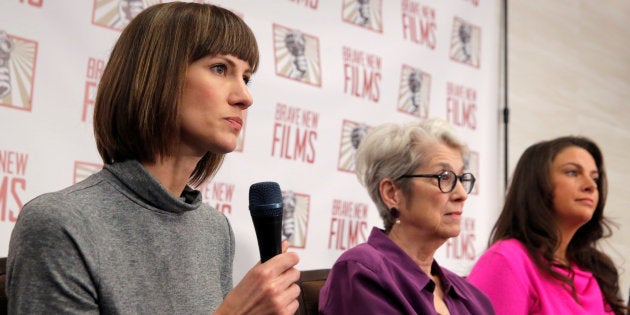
[{"x": 136, "y": 113}]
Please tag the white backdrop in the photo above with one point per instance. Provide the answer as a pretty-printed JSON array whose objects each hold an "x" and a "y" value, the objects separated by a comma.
[{"x": 329, "y": 71}]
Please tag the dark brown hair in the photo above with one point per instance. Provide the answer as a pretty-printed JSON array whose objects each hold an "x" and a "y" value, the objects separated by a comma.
[
  {"x": 528, "y": 216},
  {"x": 136, "y": 113}
]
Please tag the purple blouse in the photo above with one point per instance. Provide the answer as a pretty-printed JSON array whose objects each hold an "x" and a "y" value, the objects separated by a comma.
[{"x": 378, "y": 277}]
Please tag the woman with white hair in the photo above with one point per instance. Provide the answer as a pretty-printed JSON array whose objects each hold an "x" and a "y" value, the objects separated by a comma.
[{"x": 416, "y": 176}]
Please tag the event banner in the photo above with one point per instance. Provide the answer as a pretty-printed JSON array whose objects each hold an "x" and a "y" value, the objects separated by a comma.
[{"x": 330, "y": 70}]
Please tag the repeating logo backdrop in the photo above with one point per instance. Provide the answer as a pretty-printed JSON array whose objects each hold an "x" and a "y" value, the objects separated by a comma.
[{"x": 330, "y": 71}]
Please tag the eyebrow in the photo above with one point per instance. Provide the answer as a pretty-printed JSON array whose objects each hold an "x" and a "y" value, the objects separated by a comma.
[
  {"x": 228, "y": 59},
  {"x": 448, "y": 167},
  {"x": 596, "y": 171}
]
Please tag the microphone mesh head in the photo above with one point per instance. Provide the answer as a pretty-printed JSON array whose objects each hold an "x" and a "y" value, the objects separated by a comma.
[{"x": 265, "y": 199}]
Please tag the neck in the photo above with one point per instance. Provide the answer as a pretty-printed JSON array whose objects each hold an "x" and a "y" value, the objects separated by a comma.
[
  {"x": 172, "y": 173},
  {"x": 564, "y": 238},
  {"x": 419, "y": 247}
]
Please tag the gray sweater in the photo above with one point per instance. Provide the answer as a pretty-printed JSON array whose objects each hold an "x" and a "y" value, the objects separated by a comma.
[{"x": 119, "y": 243}]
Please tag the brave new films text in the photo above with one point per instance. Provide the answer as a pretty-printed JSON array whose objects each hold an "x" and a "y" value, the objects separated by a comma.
[
  {"x": 12, "y": 184},
  {"x": 362, "y": 74},
  {"x": 348, "y": 224},
  {"x": 418, "y": 24},
  {"x": 295, "y": 134}
]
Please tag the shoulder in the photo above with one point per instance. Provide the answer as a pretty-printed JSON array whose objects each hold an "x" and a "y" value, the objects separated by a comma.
[
  {"x": 508, "y": 246},
  {"x": 213, "y": 218},
  {"x": 363, "y": 254},
  {"x": 506, "y": 251},
  {"x": 506, "y": 258},
  {"x": 55, "y": 208},
  {"x": 64, "y": 199},
  {"x": 211, "y": 227},
  {"x": 61, "y": 212},
  {"x": 51, "y": 226}
]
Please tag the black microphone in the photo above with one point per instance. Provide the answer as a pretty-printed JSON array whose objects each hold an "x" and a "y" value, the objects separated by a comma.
[{"x": 265, "y": 206}]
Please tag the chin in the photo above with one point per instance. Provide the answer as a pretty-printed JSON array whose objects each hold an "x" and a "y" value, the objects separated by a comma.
[
  {"x": 451, "y": 233},
  {"x": 224, "y": 148}
]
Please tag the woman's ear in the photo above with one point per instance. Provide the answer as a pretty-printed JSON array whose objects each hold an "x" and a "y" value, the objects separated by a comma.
[{"x": 389, "y": 192}]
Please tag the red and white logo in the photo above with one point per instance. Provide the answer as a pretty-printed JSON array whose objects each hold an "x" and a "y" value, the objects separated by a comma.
[
  {"x": 351, "y": 135},
  {"x": 419, "y": 25},
  {"x": 362, "y": 74},
  {"x": 465, "y": 43},
  {"x": 295, "y": 134},
  {"x": 116, "y": 14},
  {"x": 13, "y": 167},
  {"x": 295, "y": 218},
  {"x": 348, "y": 224},
  {"x": 218, "y": 195},
  {"x": 297, "y": 55},
  {"x": 415, "y": 89},
  {"x": 364, "y": 13},
  {"x": 18, "y": 57},
  {"x": 461, "y": 106}
]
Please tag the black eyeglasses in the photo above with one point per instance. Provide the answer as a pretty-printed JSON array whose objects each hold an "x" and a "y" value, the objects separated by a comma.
[{"x": 448, "y": 179}]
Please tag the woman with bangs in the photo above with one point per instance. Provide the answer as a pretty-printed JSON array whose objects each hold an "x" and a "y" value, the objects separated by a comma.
[{"x": 135, "y": 237}]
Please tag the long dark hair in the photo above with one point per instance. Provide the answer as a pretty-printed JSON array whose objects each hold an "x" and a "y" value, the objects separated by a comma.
[{"x": 528, "y": 216}]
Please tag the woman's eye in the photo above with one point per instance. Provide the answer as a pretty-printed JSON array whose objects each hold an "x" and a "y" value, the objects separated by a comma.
[
  {"x": 246, "y": 79},
  {"x": 571, "y": 173},
  {"x": 219, "y": 69}
]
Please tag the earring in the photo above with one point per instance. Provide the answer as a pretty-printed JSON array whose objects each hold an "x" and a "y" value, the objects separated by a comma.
[{"x": 393, "y": 211}]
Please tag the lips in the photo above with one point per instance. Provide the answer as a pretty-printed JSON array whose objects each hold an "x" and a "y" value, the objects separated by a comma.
[
  {"x": 235, "y": 122},
  {"x": 587, "y": 201},
  {"x": 458, "y": 213}
]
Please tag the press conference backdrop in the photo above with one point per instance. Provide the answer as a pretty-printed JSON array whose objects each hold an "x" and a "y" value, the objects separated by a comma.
[{"x": 330, "y": 70}]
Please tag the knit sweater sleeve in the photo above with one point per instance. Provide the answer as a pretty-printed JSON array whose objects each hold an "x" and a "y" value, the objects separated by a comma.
[{"x": 46, "y": 263}]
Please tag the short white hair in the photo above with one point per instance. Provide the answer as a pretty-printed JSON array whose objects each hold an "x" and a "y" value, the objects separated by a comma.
[{"x": 391, "y": 150}]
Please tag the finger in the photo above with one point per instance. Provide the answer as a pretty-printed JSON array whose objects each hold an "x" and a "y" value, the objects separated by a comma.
[
  {"x": 285, "y": 246},
  {"x": 288, "y": 298},
  {"x": 280, "y": 263},
  {"x": 293, "y": 306}
]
